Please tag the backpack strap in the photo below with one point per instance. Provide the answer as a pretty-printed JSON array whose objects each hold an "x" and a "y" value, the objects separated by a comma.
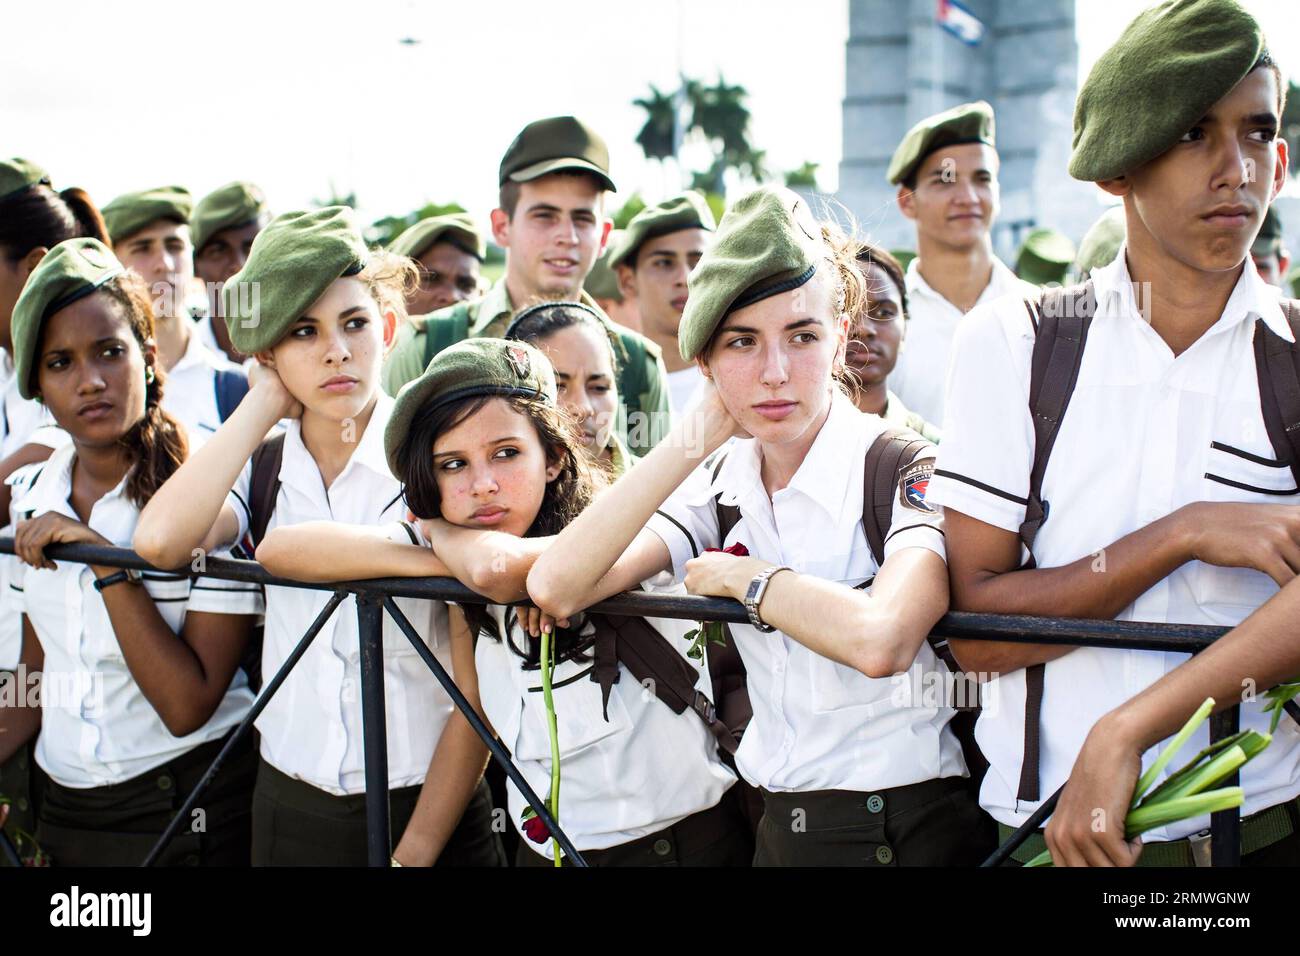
[
  {"x": 1277, "y": 366},
  {"x": 264, "y": 486},
  {"x": 442, "y": 331},
  {"x": 231, "y": 385},
  {"x": 726, "y": 669},
  {"x": 889, "y": 453},
  {"x": 654, "y": 662},
  {"x": 1061, "y": 319}
]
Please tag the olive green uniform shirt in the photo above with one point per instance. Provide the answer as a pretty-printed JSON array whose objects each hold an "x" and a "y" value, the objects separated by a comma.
[
  {"x": 642, "y": 377},
  {"x": 897, "y": 414}
]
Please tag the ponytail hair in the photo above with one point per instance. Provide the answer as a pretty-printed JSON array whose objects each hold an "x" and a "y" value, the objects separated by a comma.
[
  {"x": 156, "y": 443},
  {"x": 38, "y": 216}
]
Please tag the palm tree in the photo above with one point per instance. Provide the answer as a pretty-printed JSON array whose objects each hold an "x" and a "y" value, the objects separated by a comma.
[{"x": 656, "y": 138}]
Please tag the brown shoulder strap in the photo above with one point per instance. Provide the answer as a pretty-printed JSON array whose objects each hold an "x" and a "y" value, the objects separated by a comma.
[
  {"x": 653, "y": 661},
  {"x": 264, "y": 486},
  {"x": 1277, "y": 366},
  {"x": 891, "y": 451},
  {"x": 1062, "y": 318}
]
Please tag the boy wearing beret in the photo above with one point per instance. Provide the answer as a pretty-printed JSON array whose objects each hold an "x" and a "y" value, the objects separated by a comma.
[
  {"x": 946, "y": 171},
  {"x": 150, "y": 232},
  {"x": 224, "y": 225},
  {"x": 602, "y": 285},
  {"x": 653, "y": 258},
  {"x": 1168, "y": 500},
  {"x": 551, "y": 222},
  {"x": 449, "y": 251}
]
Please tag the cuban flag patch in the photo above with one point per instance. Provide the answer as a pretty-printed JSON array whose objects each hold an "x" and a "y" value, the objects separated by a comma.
[{"x": 913, "y": 482}]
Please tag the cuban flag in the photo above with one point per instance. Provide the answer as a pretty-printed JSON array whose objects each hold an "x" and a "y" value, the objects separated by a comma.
[{"x": 960, "y": 22}]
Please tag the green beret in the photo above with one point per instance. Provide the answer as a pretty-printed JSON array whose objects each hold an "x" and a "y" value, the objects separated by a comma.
[
  {"x": 1268, "y": 241},
  {"x": 415, "y": 240},
  {"x": 767, "y": 243},
  {"x": 1045, "y": 257},
  {"x": 70, "y": 271},
  {"x": 602, "y": 280},
  {"x": 235, "y": 204},
  {"x": 17, "y": 174},
  {"x": 469, "y": 368},
  {"x": 1170, "y": 65},
  {"x": 968, "y": 123},
  {"x": 128, "y": 214},
  {"x": 549, "y": 145},
  {"x": 904, "y": 257},
  {"x": 1100, "y": 244},
  {"x": 292, "y": 263},
  {"x": 690, "y": 210}
]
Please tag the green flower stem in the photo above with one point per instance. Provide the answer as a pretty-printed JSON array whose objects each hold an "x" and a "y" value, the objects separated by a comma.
[
  {"x": 1206, "y": 777},
  {"x": 1180, "y": 738},
  {"x": 1182, "y": 808},
  {"x": 553, "y": 799}
]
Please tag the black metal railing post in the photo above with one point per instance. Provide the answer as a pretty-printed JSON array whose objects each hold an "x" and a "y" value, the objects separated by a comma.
[
  {"x": 374, "y": 726},
  {"x": 494, "y": 747},
  {"x": 1225, "y": 826}
]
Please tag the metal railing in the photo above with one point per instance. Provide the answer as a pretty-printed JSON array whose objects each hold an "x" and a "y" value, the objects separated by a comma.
[{"x": 374, "y": 598}]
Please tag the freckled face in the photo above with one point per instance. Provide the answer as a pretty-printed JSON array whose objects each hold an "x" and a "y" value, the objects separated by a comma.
[{"x": 492, "y": 470}]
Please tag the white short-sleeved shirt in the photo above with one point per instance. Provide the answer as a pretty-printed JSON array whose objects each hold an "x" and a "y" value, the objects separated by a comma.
[
  {"x": 97, "y": 727},
  {"x": 203, "y": 330},
  {"x": 643, "y": 769},
  {"x": 932, "y": 320},
  {"x": 22, "y": 422},
  {"x": 817, "y": 724},
  {"x": 311, "y": 730},
  {"x": 190, "y": 392},
  {"x": 684, "y": 389},
  {"x": 1144, "y": 434}
]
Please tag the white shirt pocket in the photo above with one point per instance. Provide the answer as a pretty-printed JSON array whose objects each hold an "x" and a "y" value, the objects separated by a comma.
[
  {"x": 1235, "y": 474},
  {"x": 579, "y": 715}
]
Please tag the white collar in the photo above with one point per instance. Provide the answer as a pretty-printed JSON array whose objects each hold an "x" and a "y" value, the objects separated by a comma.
[
  {"x": 369, "y": 452},
  {"x": 1251, "y": 297},
  {"x": 1001, "y": 281},
  {"x": 53, "y": 487},
  {"x": 823, "y": 475}
]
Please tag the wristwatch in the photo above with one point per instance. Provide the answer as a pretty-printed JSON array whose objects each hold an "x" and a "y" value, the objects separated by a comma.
[
  {"x": 754, "y": 596},
  {"x": 117, "y": 577}
]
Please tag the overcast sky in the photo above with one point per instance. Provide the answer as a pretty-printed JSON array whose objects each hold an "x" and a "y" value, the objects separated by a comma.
[{"x": 305, "y": 98}]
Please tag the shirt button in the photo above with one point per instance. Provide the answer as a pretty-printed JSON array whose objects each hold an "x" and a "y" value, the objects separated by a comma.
[
  {"x": 875, "y": 803},
  {"x": 164, "y": 783},
  {"x": 884, "y": 855},
  {"x": 662, "y": 847}
]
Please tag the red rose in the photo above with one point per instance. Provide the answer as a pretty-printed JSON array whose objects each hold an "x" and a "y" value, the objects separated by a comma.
[
  {"x": 535, "y": 829},
  {"x": 738, "y": 549}
]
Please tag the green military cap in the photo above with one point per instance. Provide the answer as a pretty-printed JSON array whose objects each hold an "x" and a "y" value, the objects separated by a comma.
[
  {"x": 1170, "y": 65},
  {"x": 415, "y": 240},
  {"x": 602, "y": 280},
  {"x": 1269, "y": 239},
  {"x": 468, "y": 369},
  {"x": 550, "y": 145},
  {"x": 968, "y": 123},
  {"x": 1100, "y": 244},
  {"x": 235, "y": 204},
  {"x": 690, "y": 210},
  {"x": 1045, "y": 257},
  {"x": 70, "y": 271},
  {"x": 128, "y": 214},
  {"x": 767, "y": 243},
  {"x": 17, "y": 174},
  {"x": 292, "y": 263},
  {"x": 904, "y": 257}
]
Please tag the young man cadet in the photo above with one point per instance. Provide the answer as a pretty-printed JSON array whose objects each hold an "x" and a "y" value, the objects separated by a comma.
[
  {"x": 449, "y": 251},
  {"x": 602, "y": 285},
  {"x": 223, "y": 227},
  {"x": 151, "y": 234},
  {"x": 1271, "y": 258},
  {"x": 946, "y": 170},
  {"x": 551, "y": 222},
  {"x": 1165, "y": 496},
  {"x": 661, "y": 246}
]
